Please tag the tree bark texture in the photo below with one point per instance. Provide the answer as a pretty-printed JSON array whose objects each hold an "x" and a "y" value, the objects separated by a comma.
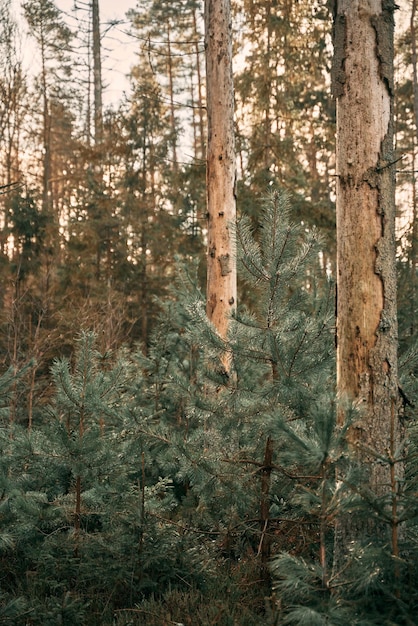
[
  {"x": 366, "y": 271},
  {"x": 221, "y": 166}
]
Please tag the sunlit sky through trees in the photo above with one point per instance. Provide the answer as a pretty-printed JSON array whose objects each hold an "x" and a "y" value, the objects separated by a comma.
[{"x": 118, "y": 47}]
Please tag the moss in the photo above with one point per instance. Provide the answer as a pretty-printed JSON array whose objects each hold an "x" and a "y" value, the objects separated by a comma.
[{"x": 383, "y": 25}]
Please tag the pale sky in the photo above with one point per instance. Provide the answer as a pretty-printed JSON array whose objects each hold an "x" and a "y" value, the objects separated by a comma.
[
  {"x": 118, "y": 49},
  {"x": 108, "y": 9}
]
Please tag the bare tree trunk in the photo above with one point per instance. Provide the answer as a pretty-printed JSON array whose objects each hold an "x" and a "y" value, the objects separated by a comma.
[
  {"x": 366, "y": 270},
  {"x": 221, "y": 167},
  {"x": 97, "y": 74},
  {"x": 199, "y": 87},
  {"x": 412, "y": 252},
  {"x": 414, "y": 236},
  {"x": 46, "y": 174},
  {"x": 88, "y": 100},
  {"x": 172, "y": 105},
  {"x": 414, "y": 61}
]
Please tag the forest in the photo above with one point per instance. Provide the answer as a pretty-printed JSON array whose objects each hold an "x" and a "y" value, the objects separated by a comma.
[{"x": 208, "y": 314}]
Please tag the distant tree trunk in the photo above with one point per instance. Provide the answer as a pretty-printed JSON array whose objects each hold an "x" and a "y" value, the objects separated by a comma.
[
  {"x": 267, "y": 157},
  {"x": 413, "y": 248},
  {"x": 199, "y": 88},
  {"x": 221, "y": 167},
  {"x": 366, "y": 270},
  {"x": 46, "y": 131},
  {"x": 172, "y": 104},
  {"x": 414, "y": 61},
  {"x": 413, "y": 256},
  {"x": 97, "y": 74},
  {"x": 88, "y": 96}
]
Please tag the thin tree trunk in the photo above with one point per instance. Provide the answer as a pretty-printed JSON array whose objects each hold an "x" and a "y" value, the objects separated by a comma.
[
  {"x": 194, "y": 121},
  {"x": 172, "y": 105},
  {"x": 267, "y": 120},
  {"x": 88, "y": 103},
  {"x": 414, "y": 60},
  {"x": 97, "y": 75},
  {"x": 78, "y": 483},
  {"x": 46, "y": 175},
  {"x": 414, "y": 235},
  {"x": 199, "y": 88},
  {"x": 412, "y": 260},
  {"x": 265, "y": 541},
  {"x": 221, "y": 167}
]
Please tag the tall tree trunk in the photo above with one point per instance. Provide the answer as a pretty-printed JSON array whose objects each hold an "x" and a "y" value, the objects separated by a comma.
[
  {"x": 366, "y": 270},
  {"x": 46, "y": 174},
  {"x": 414, "y": 61},
  {"x": 97, "y": 74},
  {"x": 414, "y": 235},
  {"x": 221, "y": 167},
  {"x": 267, "y": 157},
  {"x": 199, "y": 88},
  {"x": 47, "y": 198},
  {"x": 413, "y": 248},
  {"x": 172, "y": 104},
  {"x": 89, "y": 83}
]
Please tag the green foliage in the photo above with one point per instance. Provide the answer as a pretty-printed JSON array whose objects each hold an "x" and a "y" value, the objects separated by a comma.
[
  {"x": 157, "y": 488},
  {"x": 372, "y": 584},
  {"x": 77, "y": 526},
  {"x": 209, "y": 430},
  {"x": 28, "y": 228},
  {"x": 48, "y": 28},
  {"x": 282, "y": 76},
  {"x": 289, "y": 325}
]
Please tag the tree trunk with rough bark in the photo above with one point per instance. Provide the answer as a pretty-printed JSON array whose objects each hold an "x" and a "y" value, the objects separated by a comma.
[
  {"x": 221, "y": 166},
  {"x": 366, "y": 279}
]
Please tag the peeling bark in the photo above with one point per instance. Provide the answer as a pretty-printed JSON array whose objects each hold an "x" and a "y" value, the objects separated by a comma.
[
  {"x": 366, "y": 265},
  {"x": 366, "y": 271}
]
